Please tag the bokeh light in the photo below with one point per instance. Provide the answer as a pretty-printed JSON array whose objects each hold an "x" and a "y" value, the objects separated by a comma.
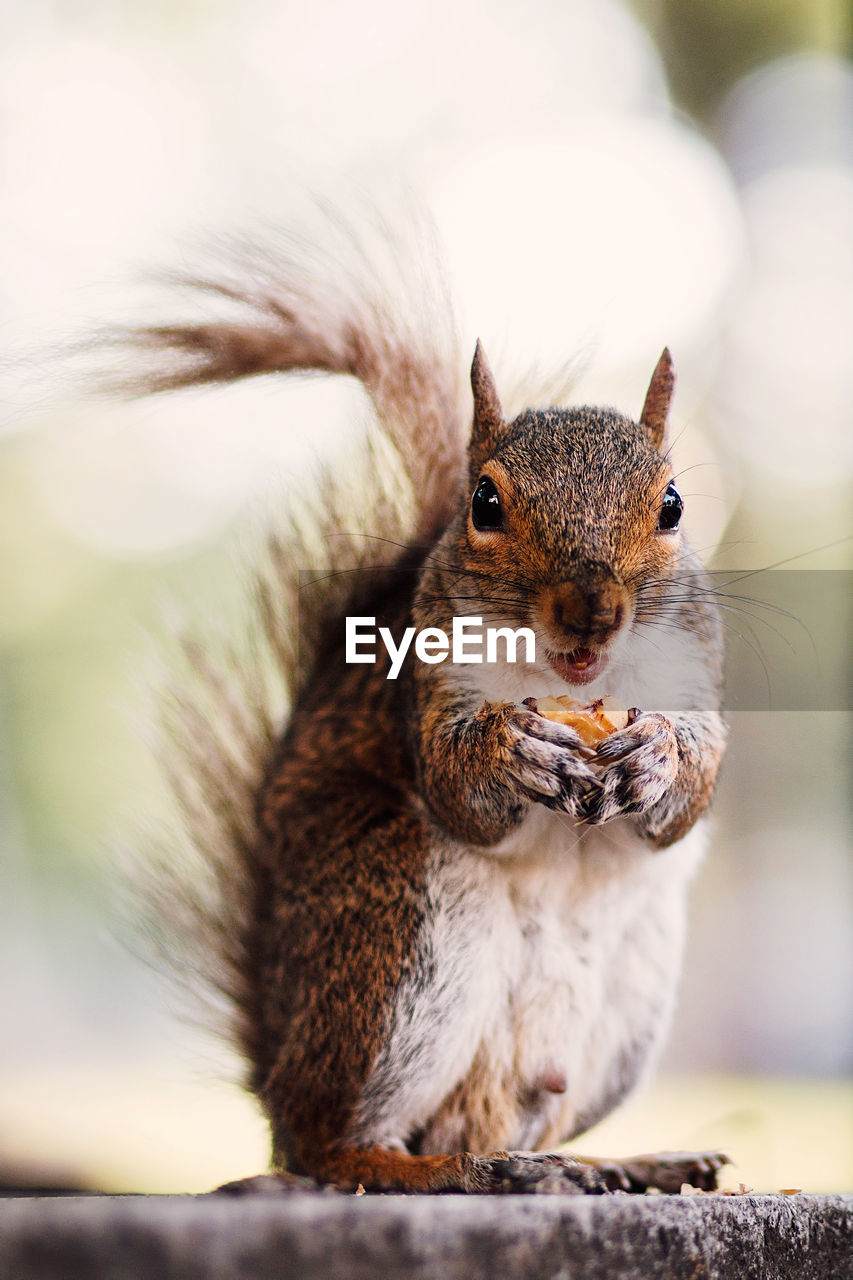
[{"x": 587, "y": 219}]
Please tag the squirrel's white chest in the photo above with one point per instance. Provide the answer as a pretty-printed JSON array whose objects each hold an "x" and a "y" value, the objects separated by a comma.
[{"x": 544, "y": 977}]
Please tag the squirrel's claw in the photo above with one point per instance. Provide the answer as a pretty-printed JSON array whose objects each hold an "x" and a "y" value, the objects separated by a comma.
[
  {"x": 640, "y": 765},
  {"x": 561, "y": 735},
  {"x": 537, "y": 1173},
  {"x": 549, "y": 765},
  {"x": 569, "y": 799},
  {"x": 665, "y": 1171}
]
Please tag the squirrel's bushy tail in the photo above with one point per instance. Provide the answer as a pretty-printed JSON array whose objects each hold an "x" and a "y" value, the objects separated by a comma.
[
  {"x": 370, "y": 303},
  {"x": 342, "y": 302}
]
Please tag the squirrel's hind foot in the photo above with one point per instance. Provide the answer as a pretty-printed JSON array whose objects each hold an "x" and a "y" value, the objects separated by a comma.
[
  {"x": 499, "y": 1173},
  {"x": 378, "y": 1169},
  {"x": 536, "y": 1173},
  {"x": 665, "y": 1171}
]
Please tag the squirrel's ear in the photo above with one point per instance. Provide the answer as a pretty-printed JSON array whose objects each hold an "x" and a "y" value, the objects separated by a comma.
[
  {"x": 488, "y": 414},
  {"x": 658, "y": 397}
]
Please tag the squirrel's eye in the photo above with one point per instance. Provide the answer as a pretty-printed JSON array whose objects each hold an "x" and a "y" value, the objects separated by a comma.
[
  {"x": 486, "y": 505},
  {"x": 671, "y": 509}
]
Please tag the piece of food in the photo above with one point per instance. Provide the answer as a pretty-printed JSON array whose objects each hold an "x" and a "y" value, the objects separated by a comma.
[{"x": 592, "y": 721}]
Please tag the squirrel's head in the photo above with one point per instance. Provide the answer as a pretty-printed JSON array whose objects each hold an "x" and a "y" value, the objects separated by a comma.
[{"x": 571, "y": 512}]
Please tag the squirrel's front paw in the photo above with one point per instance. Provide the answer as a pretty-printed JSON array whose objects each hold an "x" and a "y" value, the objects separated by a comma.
[
  {"x": 547, "y": 762},
  {"x": 534, "y": 1173},
  {"x": 637, "y": 766}
]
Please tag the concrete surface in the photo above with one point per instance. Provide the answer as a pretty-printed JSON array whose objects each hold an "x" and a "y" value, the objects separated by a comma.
[{"x": 314, "y": 1235}]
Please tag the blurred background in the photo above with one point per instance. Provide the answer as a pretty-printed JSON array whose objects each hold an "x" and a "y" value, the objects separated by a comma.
[{"x": 607, "y": 177}]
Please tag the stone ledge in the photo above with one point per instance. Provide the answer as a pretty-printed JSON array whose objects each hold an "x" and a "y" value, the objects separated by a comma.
[{"x": 320, "y": 1236}]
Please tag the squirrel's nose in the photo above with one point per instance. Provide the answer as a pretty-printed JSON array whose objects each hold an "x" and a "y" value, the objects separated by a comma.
[{"x": 586, "y": 611}]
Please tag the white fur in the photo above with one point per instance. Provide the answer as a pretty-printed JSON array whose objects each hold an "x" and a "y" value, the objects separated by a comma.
[
  {"x": 564, "y": 953},
  {"x": 557, "y": 949},
  {"x": 656, "y": 669}
]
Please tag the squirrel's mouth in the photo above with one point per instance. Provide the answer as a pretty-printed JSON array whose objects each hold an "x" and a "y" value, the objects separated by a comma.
[{"x": 578, "y": 666}]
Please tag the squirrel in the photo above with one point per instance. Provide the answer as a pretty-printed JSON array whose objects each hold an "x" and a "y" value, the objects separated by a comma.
[{"x": 451, "y": 935}]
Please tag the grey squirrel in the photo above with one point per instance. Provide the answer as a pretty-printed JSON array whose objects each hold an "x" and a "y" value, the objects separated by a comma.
[{"x": 450, "y": 933}]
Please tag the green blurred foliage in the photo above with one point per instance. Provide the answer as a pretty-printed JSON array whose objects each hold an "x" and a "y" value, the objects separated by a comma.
[
  {"x": 73, "y": 631},
  {"x": 708, "y": 45}
]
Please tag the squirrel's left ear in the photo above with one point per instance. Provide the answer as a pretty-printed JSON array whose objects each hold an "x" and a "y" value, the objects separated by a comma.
[
  {"x": 658, "y": 397},
  {"x": 488, "y": 414}
]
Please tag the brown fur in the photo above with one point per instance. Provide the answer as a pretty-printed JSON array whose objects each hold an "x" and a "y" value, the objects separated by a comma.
[
  {"x": 655, "y": 412},
  {"x": 365, "y": 307},
  {"x": 322, "y": 881},
  {"x": 577, "y": 558},
  {"x": 343, "y": 821}
]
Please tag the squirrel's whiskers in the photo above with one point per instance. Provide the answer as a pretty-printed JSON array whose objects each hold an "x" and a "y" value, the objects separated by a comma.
[{"x": 445, "y": 929}]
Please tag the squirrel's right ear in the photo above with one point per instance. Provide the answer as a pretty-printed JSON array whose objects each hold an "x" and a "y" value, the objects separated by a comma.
[
  {"x": 488, "y": 414},
  {"x": 658, "y": 399}
]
